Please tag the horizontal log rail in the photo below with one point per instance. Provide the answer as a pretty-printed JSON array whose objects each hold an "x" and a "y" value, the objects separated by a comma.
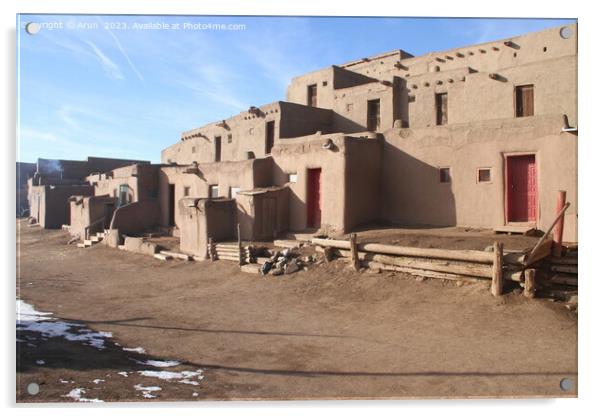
[{"x": 431, "y": 253}]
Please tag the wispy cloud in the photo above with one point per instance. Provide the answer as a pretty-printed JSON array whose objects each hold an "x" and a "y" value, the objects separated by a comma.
[
  {"x": 111, "y": 68},
  {"x": 124, "y": 53},
  {"x": 35, "y": 135}
]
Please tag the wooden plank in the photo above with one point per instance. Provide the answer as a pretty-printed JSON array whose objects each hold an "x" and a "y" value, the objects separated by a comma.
[
  {"x": 564, "y": 260},
  {"x": 497, "y": 272},
  {"x": 417, "y": 272},
  {"x": 565, "y": 269},
  {"x": 475, "y": 270},
  {"x": 564, "y": 280},
  {"x": 435, "y": 253}
]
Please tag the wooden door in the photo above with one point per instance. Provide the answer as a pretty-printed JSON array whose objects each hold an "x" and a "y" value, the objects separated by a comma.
[
  {"x": 521, "y": 188},
  {"x": 268, "y": 217},
  {"x": 314, "y": 212}
]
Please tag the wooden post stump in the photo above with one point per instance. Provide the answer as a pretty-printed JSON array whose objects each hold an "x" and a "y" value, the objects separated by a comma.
[
  {"x": 497, "y": 272},
  {"x": 529, "y": 291},
  {"x": 211, "y": 250},
  {"x": 355, "y": 261},
  {"x": 241, "y": 256}
]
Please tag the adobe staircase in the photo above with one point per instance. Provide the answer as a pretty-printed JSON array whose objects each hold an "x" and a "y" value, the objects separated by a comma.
[{"x": 94, "y": 239}]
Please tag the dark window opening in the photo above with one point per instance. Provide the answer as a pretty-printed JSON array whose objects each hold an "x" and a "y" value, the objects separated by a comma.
[
  {"x": 186, "y": 190},
  {"x": 269, "y": 137},
  {"x": 312, "y": 95},
  {"x": 373, "y": 115},
  {"x": 229, "y": 138},
  {"x": 441, "y": 106},
  {"x": 444, "y": 175},
  {"x": 484, "y": 175},
  {"x": 218, "y": 148},
  {"x": 524, "y": 100}
]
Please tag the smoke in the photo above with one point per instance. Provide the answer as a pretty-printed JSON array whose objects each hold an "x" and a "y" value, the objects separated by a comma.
[{"x": 50, "y": 167}]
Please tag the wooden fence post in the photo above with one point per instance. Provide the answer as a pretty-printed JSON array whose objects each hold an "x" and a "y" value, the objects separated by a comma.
[
  {"x": 355, "y": 261},
  {"x": 211, "y": 250},
  {"x": 559, "y": 228},
  {"x": 529, "y": 291},
  {"x": 497, "y": 272}
]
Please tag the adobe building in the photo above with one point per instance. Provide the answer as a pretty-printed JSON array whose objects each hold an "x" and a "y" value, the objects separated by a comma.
[
  {"x": 478, "y": 136},
  {"x": 23, "y": 173},
  {"x": 55, "y": 180}
]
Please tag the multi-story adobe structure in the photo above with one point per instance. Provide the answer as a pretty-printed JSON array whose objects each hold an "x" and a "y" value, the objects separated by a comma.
[{"x": 478, "y": 136}]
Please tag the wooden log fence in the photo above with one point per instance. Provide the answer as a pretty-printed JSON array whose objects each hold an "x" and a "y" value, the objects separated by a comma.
[{"x": 426, "y": 262}]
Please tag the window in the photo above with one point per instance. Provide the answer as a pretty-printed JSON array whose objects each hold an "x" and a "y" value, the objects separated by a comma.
[
  {"x": 484, "y": 175},
  {"x": 523, "y": 100},
  {"x": 234, "y": 191},
  {"x": 312, "y": 95},
  {"x": 349, "y": 107},
  {"x": 292, "y": 177},
  {"x": 193, "y": 149},
  {"x": 441, "y": 106},
  {"x": 229, "y": 138},
  {"x": 186, "y": 190},
  {"x": 218, "y": 148},
  {"x": 373, "y": 115},
  {"x": 444, "y": 175},
  {"x": 269, "y": 137},
  {"x": 213, "y": 191}
]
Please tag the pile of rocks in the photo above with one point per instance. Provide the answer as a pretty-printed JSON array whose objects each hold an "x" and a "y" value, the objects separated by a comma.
[{"x": 286, "y": 262}]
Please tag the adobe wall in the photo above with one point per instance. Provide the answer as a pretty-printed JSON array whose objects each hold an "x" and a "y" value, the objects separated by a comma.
[
  {"x": 363, "y": 158},
  {"x": 85, "y": 211},
  {"x": 412, "y": 194},
  {"x": 299, "y": 155},
  {"x": 203, "y": 219},
  {"x": 250, "y": 212},
  {"x": 142, "y": 181},
  {"x": 245, "y": 174},
  {"x": 136, "y": 217},
  {"x": 50, "y": 203}
]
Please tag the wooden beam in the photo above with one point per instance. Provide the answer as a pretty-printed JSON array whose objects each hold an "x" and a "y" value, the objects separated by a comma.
[
  {"x": 497, "y": 273},
  {"x": 417, "y": 272},
  {"x": 546, "y": 234},
  {"x": 432, "y": 253},
  {"x": 559, "y": 229}
]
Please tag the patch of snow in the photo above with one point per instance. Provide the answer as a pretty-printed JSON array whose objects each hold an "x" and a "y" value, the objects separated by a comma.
[
  {"x": 187, "y": 381},
  {"x": 28, "y": 319},
  {"x": 76, "y": 394},
  {"x": 146, "y": 390},
  {"x": 182, "y": 376},
  {"x": 98, "y": 381},
  {"x": 123, "y": 373},
  {"x": 139, "y": 350},
  {"x": 195, "y": 394},
  {"x": 160, "y": 364},
  {"x": 64, "y": 381},
  {"x": 40, "y": 362}
]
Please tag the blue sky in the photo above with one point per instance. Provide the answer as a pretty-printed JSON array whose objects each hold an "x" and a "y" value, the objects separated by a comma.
[{"x": 124, "y": 91}]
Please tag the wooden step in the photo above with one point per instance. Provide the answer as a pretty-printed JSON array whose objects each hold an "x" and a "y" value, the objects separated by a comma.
[
  {"x": 95, "y": 239},
  {"x": 163, "y": 257},
  {"x": 81, "y": 245},
  {"x": 572, "y": 269},
  {"x": 88, "y": 243},
  {"x": 287, "y": 243},
  {"x": 515, "y": 229}
]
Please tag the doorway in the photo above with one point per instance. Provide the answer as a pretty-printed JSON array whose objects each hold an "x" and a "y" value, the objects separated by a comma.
[
  {"x": 521, "y": 188},
  {"x": 171, "y": 205},
  {"x": 314, "y": 212}
]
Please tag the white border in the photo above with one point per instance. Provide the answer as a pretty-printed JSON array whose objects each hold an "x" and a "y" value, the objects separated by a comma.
[{"x": 590, "y": 348}]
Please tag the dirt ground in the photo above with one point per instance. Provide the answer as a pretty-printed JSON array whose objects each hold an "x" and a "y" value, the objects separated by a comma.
[{"x": 321, "y": 334}]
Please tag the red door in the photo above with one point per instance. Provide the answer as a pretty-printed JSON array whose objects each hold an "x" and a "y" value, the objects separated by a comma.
[
  {"x": 521, "y": 188},
  {"x": 314, "y": 213}
]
